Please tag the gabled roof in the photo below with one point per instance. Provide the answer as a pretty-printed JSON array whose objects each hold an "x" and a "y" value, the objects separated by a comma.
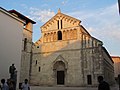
[
  {"x": 21, "y": 16},
  {"x": 11, "y": 15},
  {"x": 60, "y": 14}
]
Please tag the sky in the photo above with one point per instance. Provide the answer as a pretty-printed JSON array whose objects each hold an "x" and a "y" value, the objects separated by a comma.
[{"x": 100, "y": 17}]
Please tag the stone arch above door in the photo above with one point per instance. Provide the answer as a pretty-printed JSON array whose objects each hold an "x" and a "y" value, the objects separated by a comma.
[
  {"x": 59, "y": 66},
  {"x": 60, "y": 61}
]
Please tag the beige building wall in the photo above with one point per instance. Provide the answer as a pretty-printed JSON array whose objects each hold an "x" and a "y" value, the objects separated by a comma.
[
  {"x": 116, "y": 60},
  {"x": 11, "y": 33}
]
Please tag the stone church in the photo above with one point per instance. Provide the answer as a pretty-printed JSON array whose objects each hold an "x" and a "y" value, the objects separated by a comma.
[{"x": 66, "y": 54}]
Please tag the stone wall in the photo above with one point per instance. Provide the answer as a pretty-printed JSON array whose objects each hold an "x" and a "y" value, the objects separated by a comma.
[
  {"x": 108, "y": 67},
  {"x": 26, "y": 52}
]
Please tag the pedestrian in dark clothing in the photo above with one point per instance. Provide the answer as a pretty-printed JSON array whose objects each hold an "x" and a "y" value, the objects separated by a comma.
[
  {"x": 10, "y": 84},
  {"x": 12, "y": 71},
  {"x": 103, "y": 85},
  {"x": 4, "y": 85}
]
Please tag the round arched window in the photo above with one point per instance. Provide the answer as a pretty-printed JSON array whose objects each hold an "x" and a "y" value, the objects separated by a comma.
[{"x": 59, "y": 35}]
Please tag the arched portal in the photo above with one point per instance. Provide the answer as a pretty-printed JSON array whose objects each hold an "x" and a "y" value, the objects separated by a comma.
[{"x": 59, "y": 69}]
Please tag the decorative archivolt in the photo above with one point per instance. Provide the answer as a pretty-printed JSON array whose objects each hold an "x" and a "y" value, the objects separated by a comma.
[
  {"x": 50, "y": 23},
  {"x": 60, "y": 60},
  {"x": 71, "y": 21},
  {"x": 51, "y": 36},
  {"x": 74, "y": 22},
  {"x": 87, "y": 41},
  {"x": 68, "y": 19},
  {"x": 66, "y": 35},
  {"x": 65, "y": 18},
  {"x": 38, "y": 42},
  {"x": 61, "y": 16}
]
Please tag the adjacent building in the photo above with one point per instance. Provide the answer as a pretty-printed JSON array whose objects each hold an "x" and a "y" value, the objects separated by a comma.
[
  {"x": 11, "y": 33},
  {"x": 26, "y": 47},
  {"x": 14, "y": 28},
  {"x": 116, "y": 60}
]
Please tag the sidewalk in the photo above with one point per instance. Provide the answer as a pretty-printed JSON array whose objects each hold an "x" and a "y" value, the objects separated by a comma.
[{"x": 69, "y": 88}]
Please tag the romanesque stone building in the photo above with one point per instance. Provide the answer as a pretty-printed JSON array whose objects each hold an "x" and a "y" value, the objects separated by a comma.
[{"x": 66, "y": 54}]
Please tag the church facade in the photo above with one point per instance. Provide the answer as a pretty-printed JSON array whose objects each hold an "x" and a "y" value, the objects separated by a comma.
[{"x": 66, "y": 54}]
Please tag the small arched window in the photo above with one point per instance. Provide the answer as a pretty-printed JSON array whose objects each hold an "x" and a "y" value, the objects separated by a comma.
[
  {"x": 39, "y": 69},
  {"x": 58, "y": 24},
  {"x": 61, "y": 24},
  {"x": 25, "y": 43},
  {"x": 59, "y": 35},
  {"x": 36, "y": 62}
]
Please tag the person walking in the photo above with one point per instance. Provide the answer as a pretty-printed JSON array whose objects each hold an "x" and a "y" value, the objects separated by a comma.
[
  {"x": 103, "y": 85},
  {"x": 25, "y": 85}
]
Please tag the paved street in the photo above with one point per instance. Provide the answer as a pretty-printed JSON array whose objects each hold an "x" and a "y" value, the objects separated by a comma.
[{"x": 68, "y": 88}]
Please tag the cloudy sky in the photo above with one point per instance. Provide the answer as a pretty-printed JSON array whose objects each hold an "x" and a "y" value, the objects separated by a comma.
[{"x": 99, "y": 17}]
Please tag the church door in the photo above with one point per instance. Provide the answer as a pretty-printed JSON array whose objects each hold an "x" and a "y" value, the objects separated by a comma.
[
  {"x": 60, "y": 77},
  {"x": 89, "y": 79}
]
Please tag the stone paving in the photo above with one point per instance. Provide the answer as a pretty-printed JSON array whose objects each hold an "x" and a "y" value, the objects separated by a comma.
[{"x": 69, "y": 88}]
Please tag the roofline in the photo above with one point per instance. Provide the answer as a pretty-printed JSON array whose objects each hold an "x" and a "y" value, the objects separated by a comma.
[
  {"x": 57, "y": 14},
  {"x": 22, "y": 16},
  {"x": 107, "y": 54},
  {"x": 115, "y": 56},
  {"x": 97, "y": 39},
  {"x": 47, "y": 21},
  {"x": 85, "y": 30},
  {"x": 72, "y": 17},
  {"x": 11, "y": 15},
  {"x": 90, "y": 35}
]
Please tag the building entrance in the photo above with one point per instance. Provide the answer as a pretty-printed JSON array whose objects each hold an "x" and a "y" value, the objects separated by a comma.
[
  {"x": 60, "y": 77},
  {"x": 60, "y": 69},
  {"x": 89, "y": 79}
]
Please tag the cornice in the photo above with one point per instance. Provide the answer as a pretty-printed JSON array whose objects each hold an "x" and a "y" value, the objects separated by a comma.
[
  {"x": 68, "y": 28},
  {"x": 61, "y": 16},
  {"x": 80, "y": 49},
  {"x": 11, "y": 15},
  {"x": 28, "y": 30}
]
